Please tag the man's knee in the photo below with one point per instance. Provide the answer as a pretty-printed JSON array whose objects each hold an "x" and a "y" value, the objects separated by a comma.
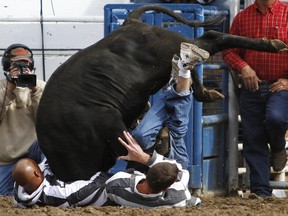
[{"x": 274, "y": 120}]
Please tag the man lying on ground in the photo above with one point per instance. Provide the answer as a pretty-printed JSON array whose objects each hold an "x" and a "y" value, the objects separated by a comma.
[{"x": 165, "y": 184}]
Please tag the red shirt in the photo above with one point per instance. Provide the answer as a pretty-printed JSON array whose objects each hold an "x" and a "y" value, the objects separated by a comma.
[{"x": 254, "y": 23}]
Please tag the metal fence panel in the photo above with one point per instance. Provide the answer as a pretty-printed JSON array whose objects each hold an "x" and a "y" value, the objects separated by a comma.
[{"x": 114, "y": 16}]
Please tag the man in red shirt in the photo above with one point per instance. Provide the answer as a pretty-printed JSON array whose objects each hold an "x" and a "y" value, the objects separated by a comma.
[{"x": 264, "y": 94}]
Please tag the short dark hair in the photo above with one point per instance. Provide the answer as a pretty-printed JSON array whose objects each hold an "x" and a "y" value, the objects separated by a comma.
[{"x": 161, "y": 176}]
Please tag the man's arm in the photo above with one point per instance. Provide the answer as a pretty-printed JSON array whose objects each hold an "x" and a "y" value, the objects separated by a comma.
[
  {"x": 6, "y": 96},
  {"x": 121, "y": 187},
  {"x": 36, "y": 94},
  {"x": 233, "y": 56},
  {"x": 135, "y": 153}
]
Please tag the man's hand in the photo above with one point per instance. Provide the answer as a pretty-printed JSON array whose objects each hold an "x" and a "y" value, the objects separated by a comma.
[
  {"x": 135, "y": 152},
  {"x": 250, "y": 78},
  {"x": 34, "y": 88},
  {"x": 10, "y": 86},
  {"x": 279, "y": 85},
  {"x": 14, "y": 72}
]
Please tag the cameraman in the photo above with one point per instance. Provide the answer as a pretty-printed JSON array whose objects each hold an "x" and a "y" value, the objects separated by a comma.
[{"x": 20, "y": 94}]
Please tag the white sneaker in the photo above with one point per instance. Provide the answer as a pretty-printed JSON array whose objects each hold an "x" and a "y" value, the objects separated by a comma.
[
  {"x": 175, "y": 68},
  {"x": 190, "y": 55}
]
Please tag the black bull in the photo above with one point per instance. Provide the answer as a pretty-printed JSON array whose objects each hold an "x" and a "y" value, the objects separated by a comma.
[{"x": 98, "y": 92}]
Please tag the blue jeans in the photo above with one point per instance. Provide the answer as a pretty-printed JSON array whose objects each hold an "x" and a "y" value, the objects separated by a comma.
[
  {"x": 265, "y": 120},
  {"x": 172, "y": 110},
  {"x": 6, "y": 181}
]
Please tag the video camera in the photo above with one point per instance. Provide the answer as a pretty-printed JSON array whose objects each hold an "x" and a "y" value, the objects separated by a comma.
[{"x": 23, "y": 80}]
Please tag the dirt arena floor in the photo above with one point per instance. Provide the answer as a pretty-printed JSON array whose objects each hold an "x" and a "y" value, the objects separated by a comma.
[{"x": 211, "y": 205}]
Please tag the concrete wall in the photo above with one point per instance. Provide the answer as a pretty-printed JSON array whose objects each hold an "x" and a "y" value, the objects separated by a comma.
[{"x": 68, "y": 26}]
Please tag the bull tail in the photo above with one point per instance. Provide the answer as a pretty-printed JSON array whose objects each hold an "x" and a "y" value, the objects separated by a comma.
[{"x": 138, "y": 12}]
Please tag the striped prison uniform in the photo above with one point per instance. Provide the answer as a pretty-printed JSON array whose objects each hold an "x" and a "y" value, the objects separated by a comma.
[
  {"x": 57, "y": 193},
  {"x": 121, "y": 189},
  {"x": 103, "y": 190}
]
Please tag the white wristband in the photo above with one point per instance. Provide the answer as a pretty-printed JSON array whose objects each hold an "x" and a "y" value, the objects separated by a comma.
[
  {"x": 182, "y": 71},
  {"x": 185, "y": 74}
]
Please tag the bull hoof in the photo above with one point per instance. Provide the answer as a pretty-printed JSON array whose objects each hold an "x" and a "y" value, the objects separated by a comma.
[
  {"x": 208, "y": 96},
  {"x": 215, "y": 95},
  {"x": 162, "y": 142},
  {"x": 279, "y": 45}
]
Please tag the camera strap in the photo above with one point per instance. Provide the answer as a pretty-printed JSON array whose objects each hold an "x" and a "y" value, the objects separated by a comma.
[
  {"x": 7, "y": 77},
  {"x": 3, "y": 103}
]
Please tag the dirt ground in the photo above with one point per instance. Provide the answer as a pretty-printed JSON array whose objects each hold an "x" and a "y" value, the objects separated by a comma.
[{"x": 211, "y": 205}]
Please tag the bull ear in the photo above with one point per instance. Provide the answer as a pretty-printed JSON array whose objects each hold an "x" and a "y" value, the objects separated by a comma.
[{"x": 279, "y": 45}]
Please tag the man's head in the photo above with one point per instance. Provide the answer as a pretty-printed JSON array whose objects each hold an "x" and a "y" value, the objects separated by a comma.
[
  {"x": 161, "y": 176},
  {"x": 27, "y": 173},
  {"x": 17, "y": 53}
]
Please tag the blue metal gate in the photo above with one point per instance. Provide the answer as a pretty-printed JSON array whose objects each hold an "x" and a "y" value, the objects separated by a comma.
[{"x": 206, "y": 139}]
